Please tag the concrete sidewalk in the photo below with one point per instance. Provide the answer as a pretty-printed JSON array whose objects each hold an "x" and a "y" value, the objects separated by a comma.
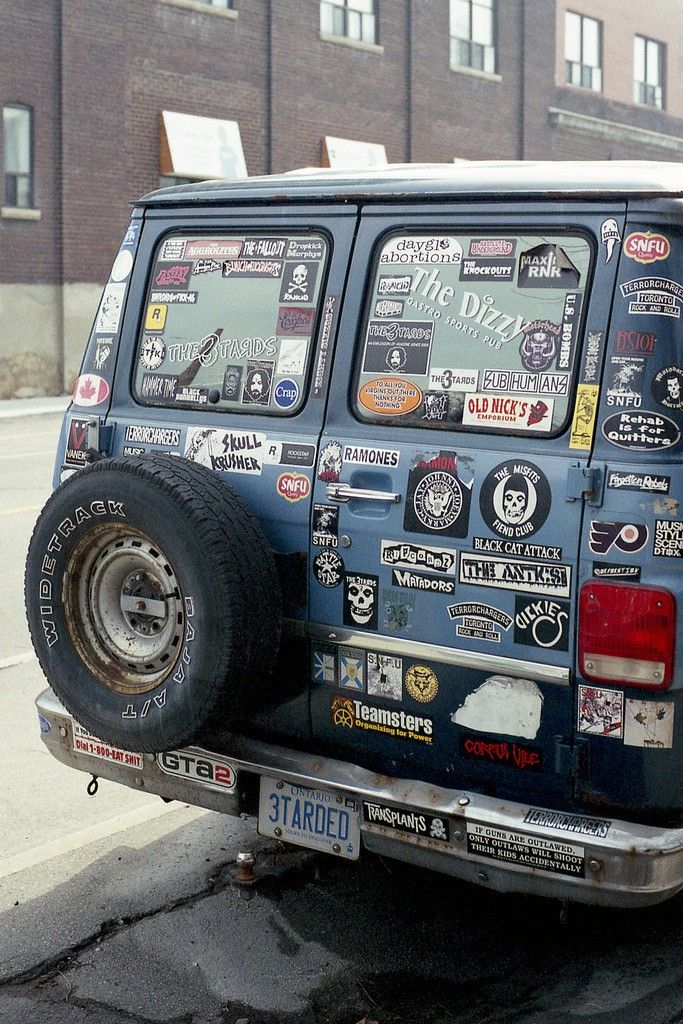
[{"x": 18, "y": 408}]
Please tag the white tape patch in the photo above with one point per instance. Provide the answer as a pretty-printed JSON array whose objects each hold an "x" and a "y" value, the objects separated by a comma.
[{"x": 505, "y": 705}]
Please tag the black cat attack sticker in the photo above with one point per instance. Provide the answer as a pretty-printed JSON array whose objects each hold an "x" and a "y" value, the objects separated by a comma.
[
  {"x": 515, "y": 499},
  {"x": 438, "y": 501}
]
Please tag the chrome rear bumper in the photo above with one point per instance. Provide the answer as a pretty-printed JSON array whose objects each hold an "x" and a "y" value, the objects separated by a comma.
[{"x": 510, "y": 847}]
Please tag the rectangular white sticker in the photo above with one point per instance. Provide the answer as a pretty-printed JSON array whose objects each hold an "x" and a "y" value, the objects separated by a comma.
[
  {"x": 452, "y": 380},
  {"x": 85, "y": 743},
  {"x": 109, "y": 312},
  {"x": 226, "y": 451},
  {"x": 508, "y": 411},
  {"x": 405, "y": 555},
  {"x": 649, "y": 723},
  {"x": 515, "y": 574}
]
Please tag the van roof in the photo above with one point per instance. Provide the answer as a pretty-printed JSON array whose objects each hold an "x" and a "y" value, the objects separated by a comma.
[{"x": 477, "y": 178}]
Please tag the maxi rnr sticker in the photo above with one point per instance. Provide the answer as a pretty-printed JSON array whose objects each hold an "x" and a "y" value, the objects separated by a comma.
[
  {"x": 601, "y": 711},
  {"x": 437, "y": 500},
  {"x": 515, "y": 499}
]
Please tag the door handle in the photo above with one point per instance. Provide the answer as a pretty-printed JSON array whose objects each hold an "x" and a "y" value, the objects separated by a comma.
[{"x": 343, "y": 492}]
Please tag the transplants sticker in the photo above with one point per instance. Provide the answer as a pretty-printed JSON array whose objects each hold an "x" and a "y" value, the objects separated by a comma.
[{"x": 416, "y": 823}]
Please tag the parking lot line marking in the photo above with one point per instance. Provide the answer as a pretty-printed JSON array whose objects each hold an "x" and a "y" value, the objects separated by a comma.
[
  {"x": 21, "y": 509},
  {"x": 16, "y": 659},
  {"x": 22, "y": 455},
  {"x": 86, "y": 837}
]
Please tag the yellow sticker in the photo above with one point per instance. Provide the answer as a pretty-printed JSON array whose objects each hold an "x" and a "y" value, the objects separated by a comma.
[
  {"x": 156, "y": 318},
  {"x": 421, "y": 683},
  {"x": 583, "y": 425}
]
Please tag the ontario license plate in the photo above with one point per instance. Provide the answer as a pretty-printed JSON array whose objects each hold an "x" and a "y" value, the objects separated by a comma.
[{"x": 313, "y": 818}]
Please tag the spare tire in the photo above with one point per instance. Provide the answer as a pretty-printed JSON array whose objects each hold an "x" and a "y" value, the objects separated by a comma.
[{"x": 153, "y": 601}]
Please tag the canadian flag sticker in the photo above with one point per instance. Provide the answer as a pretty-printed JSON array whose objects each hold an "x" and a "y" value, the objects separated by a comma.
[{"x": 90, "y": 390}]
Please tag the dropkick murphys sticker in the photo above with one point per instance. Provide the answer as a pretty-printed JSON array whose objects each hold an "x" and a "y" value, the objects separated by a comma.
[
  {"x": 515, "y": 499},
  {"x": 529, "y": 851},
  {"x": 360, "y": 600},
  {"x": 437, "y": 500}
]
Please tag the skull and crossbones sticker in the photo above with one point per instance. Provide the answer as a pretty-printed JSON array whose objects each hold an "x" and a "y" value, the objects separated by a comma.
[
  {"x": 515, "y": 499},
  {"x": 298, "y": 283},
  {"x": 360, "y": 601}
]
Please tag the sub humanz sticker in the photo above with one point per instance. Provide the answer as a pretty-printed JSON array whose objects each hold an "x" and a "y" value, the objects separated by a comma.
[
  {"x": 515, "y": 499},
  {"x": 437, "y": 500}
]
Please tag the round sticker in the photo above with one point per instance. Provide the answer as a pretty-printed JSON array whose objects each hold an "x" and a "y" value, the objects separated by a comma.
[
  {"x": 286, "y": 393},
  {"x": 122, "y": 265},
  {"x": 390, "y": 396},
  {"x": 667, "y": 387},
  {"x": 438, "y": 500},
  {"x": 328, "y": 568},
  {"x": 152, "y": 353},
  {"x": 515, "y": 499},
  {"x": 421, "y": 683}
]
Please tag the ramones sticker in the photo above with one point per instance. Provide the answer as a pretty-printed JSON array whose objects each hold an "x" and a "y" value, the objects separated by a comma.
[
  {"x": 515, "y": 499},
  {"x": 328, "y": 568},
  {"x": 437, "y": 501}
]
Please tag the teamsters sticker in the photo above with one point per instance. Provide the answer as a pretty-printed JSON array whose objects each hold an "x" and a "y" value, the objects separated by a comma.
[{"x": 515, "y": 499}]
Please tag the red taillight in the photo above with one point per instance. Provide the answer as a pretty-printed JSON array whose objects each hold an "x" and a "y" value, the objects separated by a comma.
[{"x": 627, "y": 634}]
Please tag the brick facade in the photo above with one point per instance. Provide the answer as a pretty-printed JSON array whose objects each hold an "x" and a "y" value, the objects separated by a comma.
[{"x": 98, "y": 75}]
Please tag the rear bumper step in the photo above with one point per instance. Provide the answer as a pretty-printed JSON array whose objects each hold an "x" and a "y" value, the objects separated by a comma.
[{"x": 510, "y": 847}]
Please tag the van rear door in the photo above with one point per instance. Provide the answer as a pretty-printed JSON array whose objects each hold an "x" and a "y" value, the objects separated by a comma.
[{"x": 449, "y": 492}]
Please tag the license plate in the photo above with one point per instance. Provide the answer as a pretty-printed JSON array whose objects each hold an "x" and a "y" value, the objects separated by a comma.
[{"x": 314, "y": 818}]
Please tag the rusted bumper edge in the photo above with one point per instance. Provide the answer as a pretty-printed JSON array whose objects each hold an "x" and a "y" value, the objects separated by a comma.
[{"x": 510, "y": 847}]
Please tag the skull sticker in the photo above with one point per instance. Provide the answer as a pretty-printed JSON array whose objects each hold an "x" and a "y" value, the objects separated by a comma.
[
  {"x": 515, "y": 499},
  {"x": 298, "y": 283},
  {"x": 667, "y": 387},
  {"x": 539, "y": 345},
  {"x": 360, "y": 601}
]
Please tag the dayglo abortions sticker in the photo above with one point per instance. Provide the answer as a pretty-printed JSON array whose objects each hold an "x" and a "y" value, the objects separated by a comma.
[
  {"x": 389, "y": 396},
  {"x": 528, "y": 851},
  {"x": 85, "y": 743},
  {"x": 309, "y": 817},
  {"x": 427, "y": 826},
  {"x": 513, "y": 413},
  {"x": 193, "y": 763}
]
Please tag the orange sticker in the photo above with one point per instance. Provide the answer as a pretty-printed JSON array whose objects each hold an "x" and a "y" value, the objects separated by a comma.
[{"x": 389, "y": 396}]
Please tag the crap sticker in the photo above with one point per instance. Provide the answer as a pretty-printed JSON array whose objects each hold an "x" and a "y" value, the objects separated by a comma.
[
  {"x": 583, "y": 424},
  {"x": 626, "y": 537},
  {"x": 360, "y": 600},
  {"x": 90, "y": 390},
  {"x": 508, "y": 412},
  {"x": 540, "y": 622},
  {"x": 437, "y": 501},
  {"x": 667, "y": 387},
  {"x": 351, "y": 668},
  {"x": 390, "y": 396},
  {"x": 649, "y": 723},
  {"x": 640, "y": 431},
  {"x": 515, "y": 499},
  {"x": 646, "y": 247},
  {"x": 601, "y": 711},
  {"x": 422, "y": 683},
  {"x": 385, "y": 674},
  {"x": 328, "y": 568},
  {"x": 286, "y": 393}
]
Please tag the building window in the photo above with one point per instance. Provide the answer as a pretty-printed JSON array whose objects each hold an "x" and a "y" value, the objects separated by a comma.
[
  {"x": 472, "y": 35},
  {"x": 354, "y": 19},
  {"x": 17, "y": 142},
  {"x": 583, "y": 51},
  {"x": 648, "y": 72}
]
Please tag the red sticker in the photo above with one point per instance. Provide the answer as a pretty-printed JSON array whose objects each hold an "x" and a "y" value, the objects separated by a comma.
[
  {"x": 646, "y": 247},
  {"x": 90, "y": 390},
  {"x": 293, "y": 486}
]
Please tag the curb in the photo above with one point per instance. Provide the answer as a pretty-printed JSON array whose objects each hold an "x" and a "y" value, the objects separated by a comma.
[{"x": 18, "y": 408}]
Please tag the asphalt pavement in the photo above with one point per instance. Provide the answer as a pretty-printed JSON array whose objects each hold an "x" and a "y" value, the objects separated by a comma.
[{"x": 124, "y": 909}]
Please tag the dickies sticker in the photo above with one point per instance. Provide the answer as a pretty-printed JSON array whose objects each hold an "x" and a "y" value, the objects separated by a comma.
[{"x": 541, "y": 622}]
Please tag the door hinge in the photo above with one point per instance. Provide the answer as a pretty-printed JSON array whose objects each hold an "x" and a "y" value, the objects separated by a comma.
[
  {"x": 571, "y": 757},
  {"x": 585, "y": 483}
]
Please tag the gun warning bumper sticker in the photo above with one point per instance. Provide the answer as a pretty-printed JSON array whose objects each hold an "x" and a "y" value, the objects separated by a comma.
[{"x": 533, "y": 852}]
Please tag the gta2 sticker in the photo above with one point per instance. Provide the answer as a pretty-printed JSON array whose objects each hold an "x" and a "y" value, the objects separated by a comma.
[
  {"x": 360, "y": 600},
  {"x": 515, "y": 499},
  {"x": 437, "y": 501},
  {"x": 601, "y": 711}
]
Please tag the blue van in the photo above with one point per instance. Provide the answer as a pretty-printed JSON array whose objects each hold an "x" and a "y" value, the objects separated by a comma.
[{"x": 367, "y": 520}]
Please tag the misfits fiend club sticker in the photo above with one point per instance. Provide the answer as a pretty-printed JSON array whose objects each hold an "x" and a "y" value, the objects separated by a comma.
[
  {"x": 667, "y": 387},
  {"x": 437, "y": 500},
  {"x": 515, "y": 499},
  {"x": 360, "y": 600}
]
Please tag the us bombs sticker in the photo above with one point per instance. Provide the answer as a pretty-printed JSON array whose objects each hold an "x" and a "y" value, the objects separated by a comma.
[{"x": 515, "y": 499}]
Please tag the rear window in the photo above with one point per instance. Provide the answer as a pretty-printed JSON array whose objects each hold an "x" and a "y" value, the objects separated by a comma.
[
  {"x": 473, "y": 332},
  {"x": 230, "y": 321}
]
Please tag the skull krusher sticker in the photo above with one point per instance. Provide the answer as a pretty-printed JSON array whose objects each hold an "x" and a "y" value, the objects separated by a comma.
[
  {"x": 438, "y": 501},
  {"x": 515, "y": 499}
]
